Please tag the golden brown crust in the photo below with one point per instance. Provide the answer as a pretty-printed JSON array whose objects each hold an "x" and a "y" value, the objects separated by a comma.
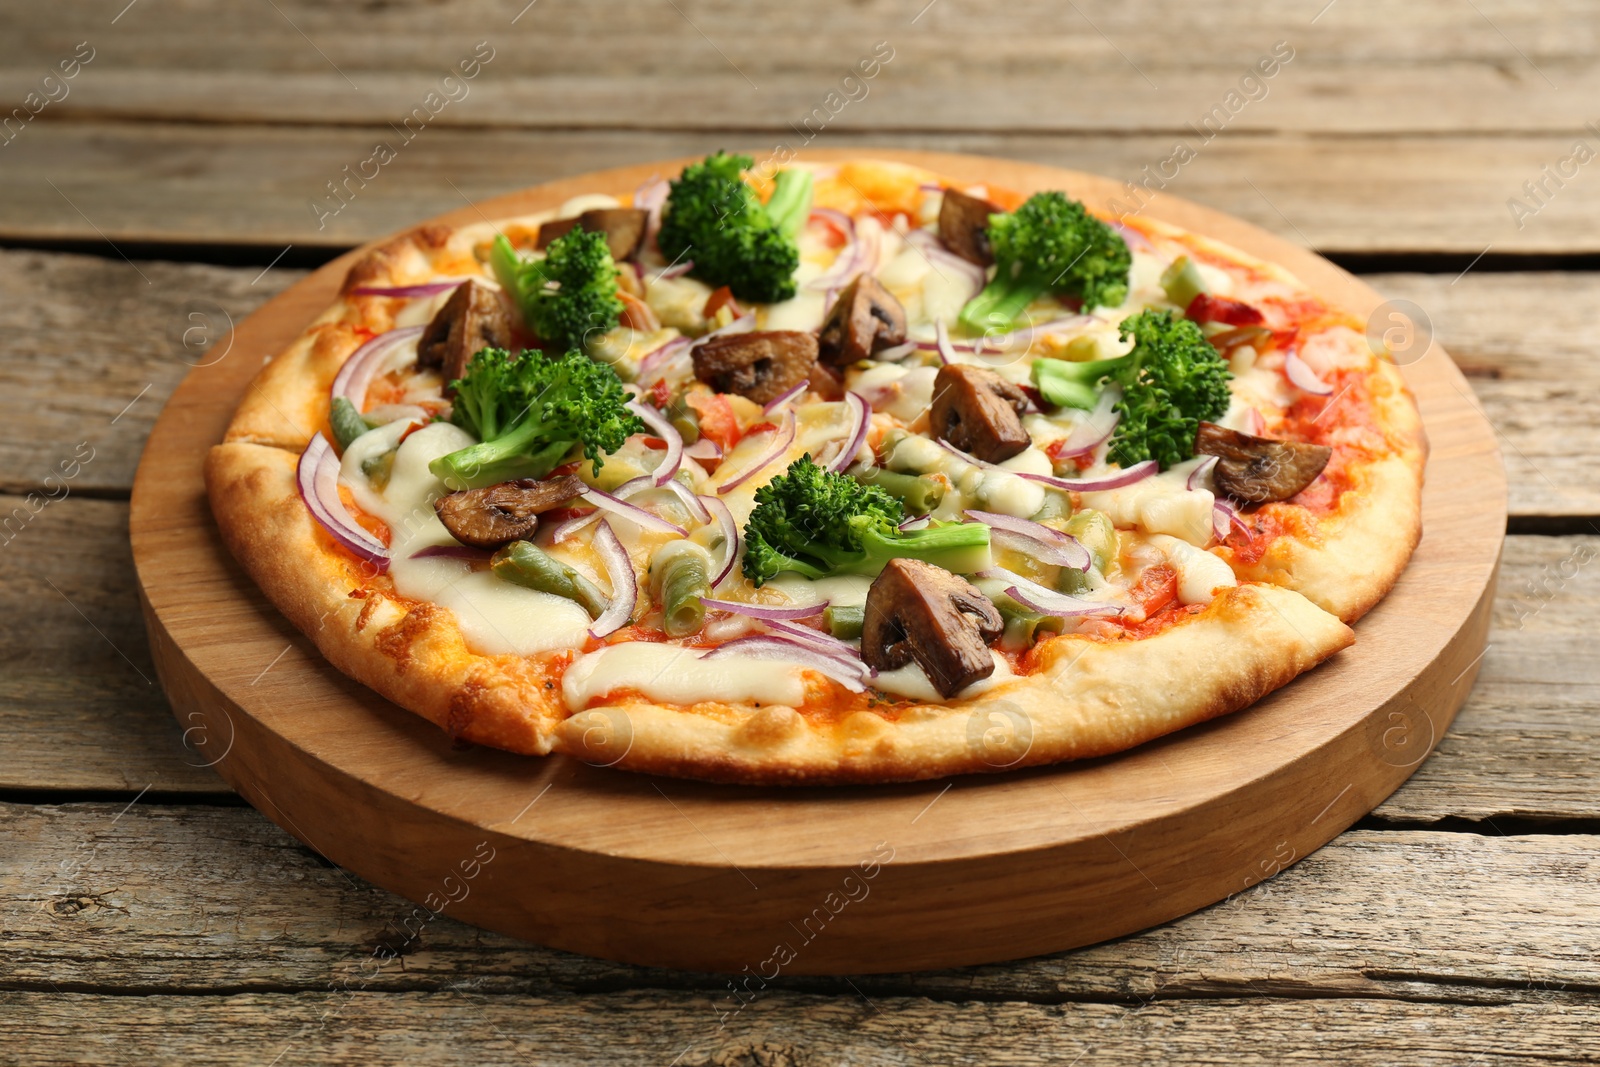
[
  {"x": 1090, "y": 698},
  {"x": 411, "y": 653}
]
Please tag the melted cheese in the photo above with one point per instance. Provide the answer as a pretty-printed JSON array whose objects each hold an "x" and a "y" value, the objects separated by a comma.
[
  {"x": 1200, "y": 573},
  {"x": 911, "y": 681},
  {"x": 495, "y": 616},
  {"x": 1160, "y": 504},
  {"x": 673, "y": 674}
]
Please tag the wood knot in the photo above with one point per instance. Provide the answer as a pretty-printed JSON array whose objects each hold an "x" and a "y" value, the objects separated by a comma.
[{"x": 66, "y": 907}]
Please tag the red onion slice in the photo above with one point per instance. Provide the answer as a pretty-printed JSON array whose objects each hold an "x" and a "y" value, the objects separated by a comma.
[
  {"x": 652, "y": 362},
  {"x": 764, "y": 612},
  {"x": 1047, "y": 601},
  {"x": 1006, "y": 340},
  {"x": 624, "y": 583},
  {"x": 1299, "y": 372},
  {"x": 317, "y": 477},
  {"x": 823, "y": 642},
  {"x": 409, "y": 291},
  {"x": 842, "y": 222},
  {"x": 1040, "y": 541},
  {"x": 941, "y": 342},
  {"x": 1095, "y": 429},
  {"x": 1224, "y": 515},
  {"x": 782, "y": 439},
  {"x": 1116, "y": 480},
  {"x": 1131, "y": 237},
  {"x": 705, "y": 448},
  {"x": 896, "y": 353},
  {"x": 632, "y": 512},
  {"x": 677, "y": 270},
  {"x": 465, "y": 552},
  {"x": 695, "y": 505},
  {"x": 574, "y": 524},
  {"x": 730, "y": 536},
  {"x": 784, "y": 397},
  {"x": 787, "y": 649},
  {"x": 861, "y": 422},
  {"x": 668, "y": 433},
  {"x": 859, "y": 256},
  {"x": 743, "y": 324},
  {"x": 356, "y": 375},
  {"x": 1198, "y": 475},
  {"x": 916, "y": 522},
  {"x": 942, "y": 260}
]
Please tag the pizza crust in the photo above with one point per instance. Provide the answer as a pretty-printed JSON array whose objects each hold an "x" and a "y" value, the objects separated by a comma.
[
  {"x": 1091, "y": 698},
  {"x": 411, "y": 653}
]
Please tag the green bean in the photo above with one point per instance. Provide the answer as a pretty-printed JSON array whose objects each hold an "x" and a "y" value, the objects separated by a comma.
[
  {"x": 920, "y": 493},
  {"x": 844, "y": 622},
  {"x": 680, "y": 575},
  {"x": 346, "y": 421},
  {"x": 1094, "y": 531},
  {"x": 525, "y": 563}
]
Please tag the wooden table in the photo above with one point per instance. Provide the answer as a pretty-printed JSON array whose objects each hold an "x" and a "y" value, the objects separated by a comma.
[{"x": 147, "y": 915}]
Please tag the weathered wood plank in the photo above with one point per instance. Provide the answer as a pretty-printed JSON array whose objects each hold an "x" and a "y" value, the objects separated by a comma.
[
  {"x": 1527, "y": 342},
  {"x": 710, "y": 64},
  {"x": 80, "y": 707},
  {"x": 784, "y": 1030},
  {"x": 91, "y": 348},
  {"x": 159, "y": 899},
  {"x": 256, "y": 184}
]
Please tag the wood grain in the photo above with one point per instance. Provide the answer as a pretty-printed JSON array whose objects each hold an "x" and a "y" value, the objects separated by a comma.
[
  {"x": 1364, "y": 67},
  {"x": 785, "y": 1030},
  {"x": 181, "y": 900},
  {"x": 182, "y": 183}
]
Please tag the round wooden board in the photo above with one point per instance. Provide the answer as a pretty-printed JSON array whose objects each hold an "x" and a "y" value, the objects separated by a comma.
[{"x": 818, "y": 880}]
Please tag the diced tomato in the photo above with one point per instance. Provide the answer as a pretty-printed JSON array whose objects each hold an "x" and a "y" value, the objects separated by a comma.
[
  {"x": 1208, "y": 308},
  {"x": 565, "y": 468},
  {"x": 661, "y": 393},
  {"x": 1156, "y": 588},
  {"x": 654, "y": 442},
  {"x": 721, "y": 298},
  {"x": 718, "y": 422},
  {"x": 760, "y": 427},
  {"x": 836, "y": 233}
]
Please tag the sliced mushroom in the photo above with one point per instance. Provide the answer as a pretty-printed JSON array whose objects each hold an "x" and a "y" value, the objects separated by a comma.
[
  {"x": 978, "y": 412},
  {"x": 964, "y": 225},
  {"x": 1259, "y": 469},
  {"x": 916, "y": 611},
  {"x": 499, "y": 514},
  {"x": 759, "y": 366},
  {"x": 866, "y": 318},
  {"x": 623, "y": 227},
  {"x": 474, "y": 317}
]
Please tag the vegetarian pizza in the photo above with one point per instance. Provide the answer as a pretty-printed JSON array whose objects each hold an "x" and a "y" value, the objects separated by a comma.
[{"x": 843, "y": 473}]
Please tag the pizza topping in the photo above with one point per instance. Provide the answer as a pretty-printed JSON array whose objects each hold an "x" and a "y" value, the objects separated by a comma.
[
  {"x": 865, "y": 319},
  {"x": 815, "y": 522},
  {"x": 714, "y": 218},
  {"x": 964, "y": 225},
  {"x": 680, "y": 579},
  {"x": 978, "y": 412},
  {"x": 526, "y": 564},
  {"x": 1304, "y": 378},
  {"x": 760, "y": 366},
  {"x": 491, "y": 516},
  {"x": 1049, "y": 245},
  {"x": 623, "y": 228},
  {"x": 919, "y": 493},
  {"x": 528, "y": 412},
  {"x": 1171, "y": 381},
  {"x": 1207, "y": 308},
  {"x": 568, "y": 298},
  {"x": 917, "y": 611},
  {"x": 1259, "y": 469},
  {"x": 474, "y": 317}
]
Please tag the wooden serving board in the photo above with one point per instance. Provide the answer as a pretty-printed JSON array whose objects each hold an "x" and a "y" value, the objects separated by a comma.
[{"x": 758, "y": 882}]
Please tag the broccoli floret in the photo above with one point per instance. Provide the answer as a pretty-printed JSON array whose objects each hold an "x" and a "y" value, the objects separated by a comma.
[
  {"x": 569, "y": 297},
  {"x": 1172, "y": 381},
  {"x": 528, "y": 412},
  {"x": 714, "y": 219},
  {"x": 1049, "y": 244},
  {"x": 818, "y": 523}
]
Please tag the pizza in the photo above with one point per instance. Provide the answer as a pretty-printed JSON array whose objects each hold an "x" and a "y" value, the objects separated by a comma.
[{"x": 842, "y": 473}]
